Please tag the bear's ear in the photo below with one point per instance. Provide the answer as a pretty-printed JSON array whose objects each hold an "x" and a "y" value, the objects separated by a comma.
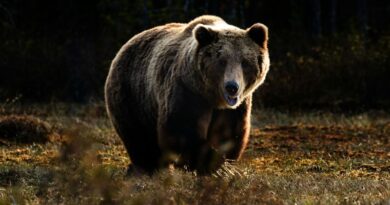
[
  {"x": 259, "y": 34},
  {"x": 204, "y": 35}
]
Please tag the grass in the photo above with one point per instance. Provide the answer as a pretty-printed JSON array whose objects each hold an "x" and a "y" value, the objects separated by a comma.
[{"x": 292, "y": 158}]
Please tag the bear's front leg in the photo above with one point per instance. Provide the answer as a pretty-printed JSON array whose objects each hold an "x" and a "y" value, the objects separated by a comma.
[
  {"x": 182, "y": 131},
  {"x": 182, "y": 142},
  {"x": 229, "y": 129}
]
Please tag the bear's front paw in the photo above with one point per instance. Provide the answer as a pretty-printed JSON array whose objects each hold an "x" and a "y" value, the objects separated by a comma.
[{"x": 209, "y": 161}]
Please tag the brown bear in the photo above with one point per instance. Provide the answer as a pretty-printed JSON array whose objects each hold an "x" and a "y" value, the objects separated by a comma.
[{"x": 181, "y": 93}]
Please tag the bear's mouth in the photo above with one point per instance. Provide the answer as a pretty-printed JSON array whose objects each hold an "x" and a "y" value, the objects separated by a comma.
[{"x": 231, "y": 100}]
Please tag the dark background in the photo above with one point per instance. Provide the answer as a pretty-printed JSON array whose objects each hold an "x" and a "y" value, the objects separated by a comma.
[{"x": 324, "y": 53}]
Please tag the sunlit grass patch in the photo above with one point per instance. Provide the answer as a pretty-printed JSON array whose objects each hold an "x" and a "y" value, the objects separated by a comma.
[{"x": 302, "y": 158}]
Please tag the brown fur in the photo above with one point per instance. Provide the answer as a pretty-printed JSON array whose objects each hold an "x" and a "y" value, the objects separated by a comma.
[{"x": 165, "y": 92}]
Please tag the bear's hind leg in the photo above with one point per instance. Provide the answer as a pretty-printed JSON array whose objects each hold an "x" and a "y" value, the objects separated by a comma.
[
  {"x": 141, "y": 145},
  {"x": 145, "y": 156}
]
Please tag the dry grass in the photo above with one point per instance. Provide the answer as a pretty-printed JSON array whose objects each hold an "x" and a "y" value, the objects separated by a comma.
[{"x": 293, "y": 158}]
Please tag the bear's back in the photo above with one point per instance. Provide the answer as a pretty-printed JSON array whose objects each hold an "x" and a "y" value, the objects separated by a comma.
[
  {"x": 151, "y": 37},
  {"x": 205, "y": 20}
]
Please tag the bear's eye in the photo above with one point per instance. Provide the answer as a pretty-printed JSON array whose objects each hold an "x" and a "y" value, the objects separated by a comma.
[
  {"x": 245, "y": 64},
  {"x": 222, "y": 62},
  {"x": 207, "y": 54},
  {"x": 250, "y": 66}
]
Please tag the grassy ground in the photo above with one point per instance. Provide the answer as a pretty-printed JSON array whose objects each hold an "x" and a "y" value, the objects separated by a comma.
[{"x": 292, "y": 158}]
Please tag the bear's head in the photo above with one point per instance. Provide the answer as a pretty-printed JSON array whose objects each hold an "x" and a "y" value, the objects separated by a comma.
[{"x": 232, "y": 62}]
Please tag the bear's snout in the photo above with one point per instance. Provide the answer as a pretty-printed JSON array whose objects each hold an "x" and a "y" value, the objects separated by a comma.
[
  {"x": 231, "y": 88},
  {"x": 231, "y": 92}
]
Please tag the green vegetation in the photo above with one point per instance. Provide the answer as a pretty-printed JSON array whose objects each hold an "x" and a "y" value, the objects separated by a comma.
[{"x": 292, "y": 158}]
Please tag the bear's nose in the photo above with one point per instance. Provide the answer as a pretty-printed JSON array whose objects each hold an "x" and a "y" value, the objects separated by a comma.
[{"x": 231, "y": 88}]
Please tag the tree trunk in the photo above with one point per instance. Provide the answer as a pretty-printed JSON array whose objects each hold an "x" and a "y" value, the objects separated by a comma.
[
  {"x": 146, "y": 20},
  {"x": 240, "y": 13},
  {"x": 332, "y": 16},
  {"x": 361, "y": 11},
  {"x": 315, "y": 15}
]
